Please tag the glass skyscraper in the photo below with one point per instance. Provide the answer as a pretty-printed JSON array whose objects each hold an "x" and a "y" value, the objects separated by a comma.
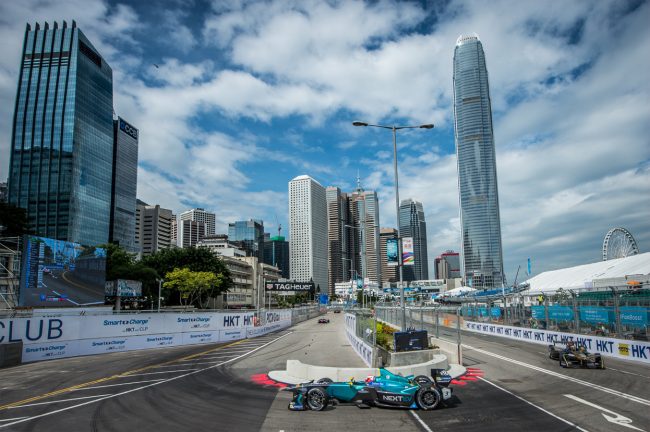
[
  {"x": 477, "y": 171},
  {"x": 125, "y": 183},
  {"x": 62, "y": 140},
  {"x": 412, "y": 224},
  {"x": 251, "y": 234}
]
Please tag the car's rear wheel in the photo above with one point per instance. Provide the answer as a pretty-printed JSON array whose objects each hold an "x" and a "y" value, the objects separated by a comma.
[
  {"x": 317, "y": 399},
  {"x": 422, "y": 380},
  {"x": 428, "y": 398}
]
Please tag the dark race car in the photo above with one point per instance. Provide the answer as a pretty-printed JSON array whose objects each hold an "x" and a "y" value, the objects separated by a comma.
[
  {"x": 385, "y": 390},
  {"x": 575, "y": 355},
  {"x": 323, "y": 321},
  {"x": 337, "y": 310}
]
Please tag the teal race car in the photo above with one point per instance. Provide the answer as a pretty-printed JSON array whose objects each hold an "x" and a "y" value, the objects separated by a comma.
[{"x": 385, "y": 390}]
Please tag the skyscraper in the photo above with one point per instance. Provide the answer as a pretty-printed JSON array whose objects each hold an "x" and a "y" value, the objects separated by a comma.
[
  {"x": 251, "y": 234},
  {"x": 308, "y": 228},
  {"x": 153, "y": 228},
  {"x": 477, "y": 170},
  {"x": 62, "y": 140},
  {"x": 188, "y": 233},
  {"x": 200, "y": 215},
  {"x": 276, "y": 253},
  {"x": 412, "y": 224},
  {"x": 340, "y": 239},
  {"x": 365, "y": 215},
  {"x": 447, "y": 265},
  {"x": 125, "y": 184}
]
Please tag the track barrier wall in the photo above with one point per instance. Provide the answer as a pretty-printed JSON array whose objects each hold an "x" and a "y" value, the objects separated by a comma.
[
  {"x": 52, "y": 337},
  {"x": 362, "y": 349}
]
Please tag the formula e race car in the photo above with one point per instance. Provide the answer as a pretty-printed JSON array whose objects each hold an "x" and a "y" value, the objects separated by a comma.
[
  {"x": 323, "y": 321},
  {"x": 575, "y": 355},
  {"x": 385, "y": 390}
]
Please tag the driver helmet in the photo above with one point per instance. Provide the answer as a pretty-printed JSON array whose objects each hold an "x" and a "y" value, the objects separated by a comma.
[{"x": 370, "y": 379}]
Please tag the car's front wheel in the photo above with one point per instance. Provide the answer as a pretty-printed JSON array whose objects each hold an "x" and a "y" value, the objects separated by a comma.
[
  {"x": 428, "y": 398},
  {"x": 317, "y": 399}
]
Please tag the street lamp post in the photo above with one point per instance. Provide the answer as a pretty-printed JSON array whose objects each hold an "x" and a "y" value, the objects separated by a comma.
[
  {"x": 399, "y": 242},
  {"x": 159, "y": 290}
]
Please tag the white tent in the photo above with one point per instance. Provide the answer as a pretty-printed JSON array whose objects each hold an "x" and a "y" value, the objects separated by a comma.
[
  {"x": 456, "y": 292},
  {"x": 587, "y": 276}
]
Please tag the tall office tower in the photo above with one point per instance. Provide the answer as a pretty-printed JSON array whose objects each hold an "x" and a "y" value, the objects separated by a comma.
[
  {"x": 3, "y": 192},
  {"x": 448, "y": 265},
  {"x": 189, "y": 233},
  {"x": 153, "y": 228},
  {"x": 125, "y": 184},
  {"x": 62, "y": 138},
  {"x": 308, "y": 229},
  {"x": 365, "y": 215},
  {"x": 250, "y": 233},
  {"x": 388, "y": 273},
  {"x": 340, "y": 237},
  {"x": 412, "y": 224},
  {"x": 174, "y": 229},
  {"x": 477, "y": 169},
  {"x": 200, "y": 215},
  {"x": 276, "y": 253}
]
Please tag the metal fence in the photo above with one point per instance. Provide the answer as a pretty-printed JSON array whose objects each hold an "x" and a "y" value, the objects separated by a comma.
[
  {"x": 441, "y": 322},
  {"x": 621, "y": 313}
]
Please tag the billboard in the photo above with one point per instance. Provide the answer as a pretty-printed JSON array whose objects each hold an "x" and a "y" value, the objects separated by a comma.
[
  {"x": 290, "y": 286},
  {"x": 61, "y": 273},
  {"x": 123, "y": 288},
  {"x": 407, "y": 251},
  {"x": 392, "y": 252}
]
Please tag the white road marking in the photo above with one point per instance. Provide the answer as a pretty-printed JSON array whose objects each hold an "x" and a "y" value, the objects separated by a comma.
[
  {"x": 136, "y": 389},
  {"x": 617, "y": 419},
  {"x": 115, "y": 385},
  {"x": 58, "y": 401},
  {"x": 155, "y": 373},
  {"x": 12, "y": 419},
  {"x": 562, "y": 376},
  {"x": 629, "y": 373},
  {"x": 533, "y": 405},
  {"x": 422, "y": 423},
  {"x": 187, "y": 364}
]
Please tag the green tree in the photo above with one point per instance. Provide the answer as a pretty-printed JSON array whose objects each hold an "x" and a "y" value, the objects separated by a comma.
[
  {"x": 13, "y": 220},
  {"x": 121, "y": 264},
  {"x": 194, "y": 287},
  {"x": 194, "y": 259}
]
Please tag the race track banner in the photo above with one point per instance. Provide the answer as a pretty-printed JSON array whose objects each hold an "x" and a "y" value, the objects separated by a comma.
[{"x": 618, "y": 348}]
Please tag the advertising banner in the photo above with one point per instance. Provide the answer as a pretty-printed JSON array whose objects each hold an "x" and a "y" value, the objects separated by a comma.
[
  {"x": 538, "y": 312},
  {"x": 392, "y": 252},
  {"x": 290, "y": 286},
  {"x": 596, "y": 315},
  {"x": 619, "y": 348},
  {"x": 560, "y": 313},
  {"x": 123, "y": 288},
  {"x": 634, "y": 316},
  {"x": 495, "y": 312},
  {"x": 408, "y": 257},
  {"x": 60, "y": 273}
]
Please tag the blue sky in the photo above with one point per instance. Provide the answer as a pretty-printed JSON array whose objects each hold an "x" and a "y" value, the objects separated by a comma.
[{"x": 249, "y": 94}]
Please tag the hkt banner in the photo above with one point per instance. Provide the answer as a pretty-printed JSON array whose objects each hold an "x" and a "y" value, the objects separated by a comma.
[
  {"x": 46, "y": 338},
  {"x": 408, "y": 258},
  {"x": 619, "y": 348}
]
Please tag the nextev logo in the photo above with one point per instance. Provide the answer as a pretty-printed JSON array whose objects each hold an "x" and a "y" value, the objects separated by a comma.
[{"x": 33, "y": 330}]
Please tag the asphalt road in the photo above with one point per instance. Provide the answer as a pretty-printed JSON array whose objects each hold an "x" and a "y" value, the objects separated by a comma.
[
  {"x": 224, "y": 387},
  {"x": 69, "y": 290}
]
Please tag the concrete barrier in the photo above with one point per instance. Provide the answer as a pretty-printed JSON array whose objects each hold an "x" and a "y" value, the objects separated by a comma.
[
  {"x": 453, "y": 352},
  {"x": 11, "y": 354},
  {"x": 302, "y": 372}
]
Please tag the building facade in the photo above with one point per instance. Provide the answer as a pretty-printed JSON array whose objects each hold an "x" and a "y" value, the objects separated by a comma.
[
  {"x": 477, "y": 171},
  {"x": 219, "y": 244},
  {"x": 124, "y": 185},
  {"x": 153, "y": 228},
  {"x": 340, "y": 241},
  {"x": 308, "y": 230},
  {"x": 388, "y": 273},
  {"x": 62, "y": 140},
  {"x": 188, "y": 233},
  {"x": 276, "y": 253},
  {"x": 365, "y": 216},
  {"x": 251, "y": 234},
  {"x": 200, "y": 215},
  {"x": 412, "y": 224},
  {"x": 447, "y": 265}
]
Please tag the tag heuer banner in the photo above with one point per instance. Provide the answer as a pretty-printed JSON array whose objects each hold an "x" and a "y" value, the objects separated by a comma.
[
  {"x": 290, "y": 286},
  {"x": 407, "y": 251}
]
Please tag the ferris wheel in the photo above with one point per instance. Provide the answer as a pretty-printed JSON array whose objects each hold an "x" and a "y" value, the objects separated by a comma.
[{"x": 619, "y": 243}]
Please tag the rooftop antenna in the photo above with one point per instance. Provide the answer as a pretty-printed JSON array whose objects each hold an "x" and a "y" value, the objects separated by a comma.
[
  {"x": 359, "y": 188},
  {"x": 279, "y": 226}
]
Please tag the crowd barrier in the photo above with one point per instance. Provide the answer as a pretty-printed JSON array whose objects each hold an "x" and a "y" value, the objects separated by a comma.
[
  {"x": 619, "y": 348},
  {"x": 52, "y": 337},
  {"x": 362, "y": 349}
]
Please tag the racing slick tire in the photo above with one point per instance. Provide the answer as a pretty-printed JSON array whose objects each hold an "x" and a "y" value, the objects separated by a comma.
[
  {"x": 317, "y": 399},
  {"x": 423, "y": 380},
  {"x": 324, "y": 381},
  {"x": 428, "y": 398}
]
